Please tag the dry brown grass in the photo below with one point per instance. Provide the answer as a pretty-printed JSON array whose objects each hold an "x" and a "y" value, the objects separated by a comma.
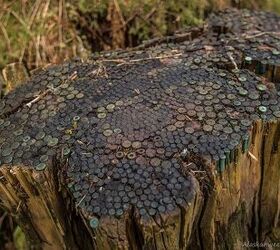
[{"x": 37, "y": 32}]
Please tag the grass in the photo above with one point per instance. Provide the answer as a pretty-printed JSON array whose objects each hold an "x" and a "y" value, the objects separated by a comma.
[
  {"x": 19, "y": 239},
  {"x": 39, "y": 32},
  {"x": 36, "y": 32},
  {"x": 273, "y": 5}
]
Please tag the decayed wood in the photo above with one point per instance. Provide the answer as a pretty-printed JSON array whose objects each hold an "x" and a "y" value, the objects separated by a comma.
[
  {"x": 234, "y": 196},
  {"x": 31, "y": 197},
  {"x": 14, "y": 75},
  {"x": 269, "y": 196}
]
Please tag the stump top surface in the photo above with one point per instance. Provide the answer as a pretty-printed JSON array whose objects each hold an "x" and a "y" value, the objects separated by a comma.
[{"x": 128, "y": 128}]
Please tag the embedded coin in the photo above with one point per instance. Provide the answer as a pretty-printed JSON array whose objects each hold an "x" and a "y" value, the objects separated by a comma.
[
  {"x": 101, "y": 115},
  {"x": 6, "y": 151},
  {"x": 276, "y": 114},
  {"x": 66, "y": 151},
  {"x": 80, "y": 95},
  {"x": 52, "y": 142},
  {"x": 243, "y": 92},
  {"x": 261, "y": 87},
  {"x": 41, "y": 166},
  {"x": 107, "y": 132},
  {"x": 44, "y": 158},
  {"x": 248, "y": 59},
  {"x": 207, "y": 128},
  {"x": 262, "y": 109},
  {"x": 18, "y": 132},
  {"x": 155, "y": 162},
  {"x": 94, "y": 222},
  {"x": 76, "y": 118}
]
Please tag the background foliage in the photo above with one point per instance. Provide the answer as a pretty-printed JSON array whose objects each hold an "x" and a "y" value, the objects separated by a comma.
[{"x": 39, "y": 32}]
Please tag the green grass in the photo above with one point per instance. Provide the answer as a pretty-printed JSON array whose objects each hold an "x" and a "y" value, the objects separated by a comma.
[
  {"x": 273, "y": 5},
  {"x": 19, "y": 239}
]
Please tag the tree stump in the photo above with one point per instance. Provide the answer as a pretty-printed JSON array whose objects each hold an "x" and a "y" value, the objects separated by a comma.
[{"x": 171, "y": 145}]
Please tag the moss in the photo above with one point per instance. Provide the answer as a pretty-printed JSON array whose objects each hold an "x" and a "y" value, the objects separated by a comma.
[{"x": 19, "y": 239}]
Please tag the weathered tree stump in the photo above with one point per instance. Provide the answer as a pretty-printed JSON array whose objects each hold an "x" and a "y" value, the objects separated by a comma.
[{"x": 171, "y": 145}]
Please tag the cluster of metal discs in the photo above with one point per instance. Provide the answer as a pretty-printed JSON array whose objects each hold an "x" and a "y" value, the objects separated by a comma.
[
  {"x": 126, "y": 126},
  {"x": 255, "y": 35},
  {"x": 235, "y": 21}
]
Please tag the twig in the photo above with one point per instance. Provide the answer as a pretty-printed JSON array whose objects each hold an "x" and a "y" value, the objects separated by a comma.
[
  {"x": 39, "y": 97},
  {"x": 101, "y": 70},
  {"x": 188, "y": 118},
  {"x": 232, "y": 60},
  {"x": 151, "y": 13},
  {"x": 254, "y": 157},
  {"x": 261, "y": 34},
  {"x": 150, "y": 23},
  {"x": 18, "y": 206},
  {"x": 73, "y": 76},
  {"x": 81, "y": 200},
  {"x": 149, "y": 58}
]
